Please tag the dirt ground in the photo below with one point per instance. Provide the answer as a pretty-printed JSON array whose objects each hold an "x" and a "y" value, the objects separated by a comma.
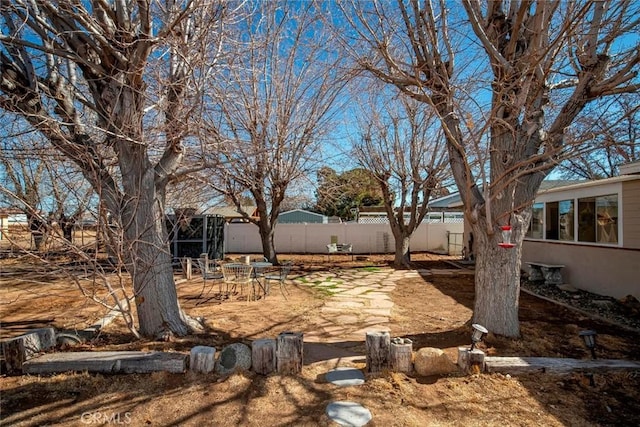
[{"x": 433, "y": 310}]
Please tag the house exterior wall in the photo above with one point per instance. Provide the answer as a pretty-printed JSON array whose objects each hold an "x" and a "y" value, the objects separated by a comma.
[
  {"x": 598, "y": 269},
  {"x": 602, "y": 268},
  {"x": 313, "y": 238},
  {"x": 631, "y": 214}
]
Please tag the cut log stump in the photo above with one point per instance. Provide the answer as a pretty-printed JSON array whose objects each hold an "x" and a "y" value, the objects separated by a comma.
[
  {"x": 289, "y": 349},
  {"x": 471, "y": 361},
  {"x": 202, "y": 359},
  {"x": 18, "y": 350},
  {"x": 377, "y": 346},
  {"x": 263, "y": 355},
  {"x": 400, "y": 355}
]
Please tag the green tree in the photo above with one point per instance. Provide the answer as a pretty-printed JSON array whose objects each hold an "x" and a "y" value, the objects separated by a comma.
[{"x": 338, "y": 194}]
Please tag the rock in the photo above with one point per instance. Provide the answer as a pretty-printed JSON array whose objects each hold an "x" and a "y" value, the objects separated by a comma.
[
  {"x": 432, "y": 361},
  {"x": 348, "y": 413},
  {"x": 603, "y": 303},
  {"x": 567, "y": 288},
  {"x": 345, "y": 376},
  {"x": 631, "y": 305},
  {"x": 64, "y": 340},
  {"x": 164, "y": 335},
  {"x": 234, "y": 357}
]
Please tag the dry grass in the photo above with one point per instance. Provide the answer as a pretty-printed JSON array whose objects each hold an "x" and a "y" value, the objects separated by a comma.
[{"x": 433, "y": 311}]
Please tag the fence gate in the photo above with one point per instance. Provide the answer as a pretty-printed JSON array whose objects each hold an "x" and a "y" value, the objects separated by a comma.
[{"x": 454, "y": 243}]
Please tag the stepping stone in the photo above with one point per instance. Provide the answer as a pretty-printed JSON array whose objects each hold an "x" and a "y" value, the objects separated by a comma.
[
  {"x": 383, "y": 312},
  {"x": 346, "y": 319},
  {"x": 381, "y": 303},
  {"x": 348, "y": 413},
  {"x": 373, "y": 320},
  {"x": 344, "y": 304},
  {"x": 345, "y": 376}
]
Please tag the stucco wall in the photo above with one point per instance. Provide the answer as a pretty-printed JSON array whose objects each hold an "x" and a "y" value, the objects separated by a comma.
[{"x": 601, "y": 270}]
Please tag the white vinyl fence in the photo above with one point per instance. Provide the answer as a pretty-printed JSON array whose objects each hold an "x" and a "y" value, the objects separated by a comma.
[{"x": 365, "y": 238}]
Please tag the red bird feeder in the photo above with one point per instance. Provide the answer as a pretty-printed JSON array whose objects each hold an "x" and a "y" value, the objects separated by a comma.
[{"x": 506, "y": 237}]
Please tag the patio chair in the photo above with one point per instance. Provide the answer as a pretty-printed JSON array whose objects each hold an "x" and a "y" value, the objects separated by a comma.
[
  {"x": 235, "y": 274},
  {"x": 279, "y": 275},
  {"x": 210, "y": 270}
]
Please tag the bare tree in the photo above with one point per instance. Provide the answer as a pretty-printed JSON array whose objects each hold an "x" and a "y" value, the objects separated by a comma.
[
  {"x": 82, "y": 74},
  {"x": 274, "y": 108},
  {"x": 406, "y": 153},
  {"x": 605, "y": 136},
  {"x": 547, "y": 59},
  {"x": 22, "y": 181}
]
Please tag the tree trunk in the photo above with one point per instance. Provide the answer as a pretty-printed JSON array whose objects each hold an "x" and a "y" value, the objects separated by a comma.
[
  {"x": 149, "y": 263},
  {"x": 268, "y": 248},
  {"x": 497, "y": 281},
  {"x": 402, "y": 257},
  {"x": 156, "y": 297}
]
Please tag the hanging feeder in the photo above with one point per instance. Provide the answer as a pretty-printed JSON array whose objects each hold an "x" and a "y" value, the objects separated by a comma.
[{"x": 506, "y": 237}]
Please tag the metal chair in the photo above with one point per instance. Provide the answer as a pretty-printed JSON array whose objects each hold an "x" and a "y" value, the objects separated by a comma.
[
  {"x": 279, "y": 275},
  {"x": 210, "y": 270},
  {"x": 235, "y": 274}
]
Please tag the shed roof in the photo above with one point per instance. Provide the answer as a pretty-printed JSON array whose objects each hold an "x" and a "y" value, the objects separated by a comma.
[
  {"x": 231, "y": 211},
  {"x": 303, "y": 211}
]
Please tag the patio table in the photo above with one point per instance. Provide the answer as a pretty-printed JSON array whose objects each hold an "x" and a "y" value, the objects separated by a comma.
[{"x": 258, "y": 271}]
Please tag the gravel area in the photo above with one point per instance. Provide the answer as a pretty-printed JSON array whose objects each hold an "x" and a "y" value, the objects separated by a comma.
[{"x": 625, "y": 311}]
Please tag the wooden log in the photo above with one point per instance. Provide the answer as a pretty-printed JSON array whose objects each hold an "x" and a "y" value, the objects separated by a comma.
[
  {"x": 289, "y": 353},
  {"x": 263, "y": 356},
  {"x": 18, "y": 350},
  {"x": 463, "y": 358},
  {"x": 202, "y": 359},
  {"x": 400, "y": 355},
  {"x": 554, "y": 365},
  {"x": 476, "y": 361},
  {"x": 187, "y": 267},
  {"x": 107, "y": 362},
  {"x": 377, "y": 346},
  {"x": 471, "y": 361}
]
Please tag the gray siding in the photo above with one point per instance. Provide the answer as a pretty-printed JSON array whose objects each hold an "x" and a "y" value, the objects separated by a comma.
[{"x": 631, "y": 214}]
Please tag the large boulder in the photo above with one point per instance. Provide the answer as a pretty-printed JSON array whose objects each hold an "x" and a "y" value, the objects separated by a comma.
[
  {"x": 432, "y": 361},
  {"x": 234, "y": 357}
]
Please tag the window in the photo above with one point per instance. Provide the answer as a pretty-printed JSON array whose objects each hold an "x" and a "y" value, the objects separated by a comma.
[
  {"x": 598, "y": 219},
  {"x": 551, "y": 221},
  {"x": 535, "y": 228},
  {"x": 565, "y": 220},
  {"x": 587, "y": 219},
  {"x": 607, "y": 218}
]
